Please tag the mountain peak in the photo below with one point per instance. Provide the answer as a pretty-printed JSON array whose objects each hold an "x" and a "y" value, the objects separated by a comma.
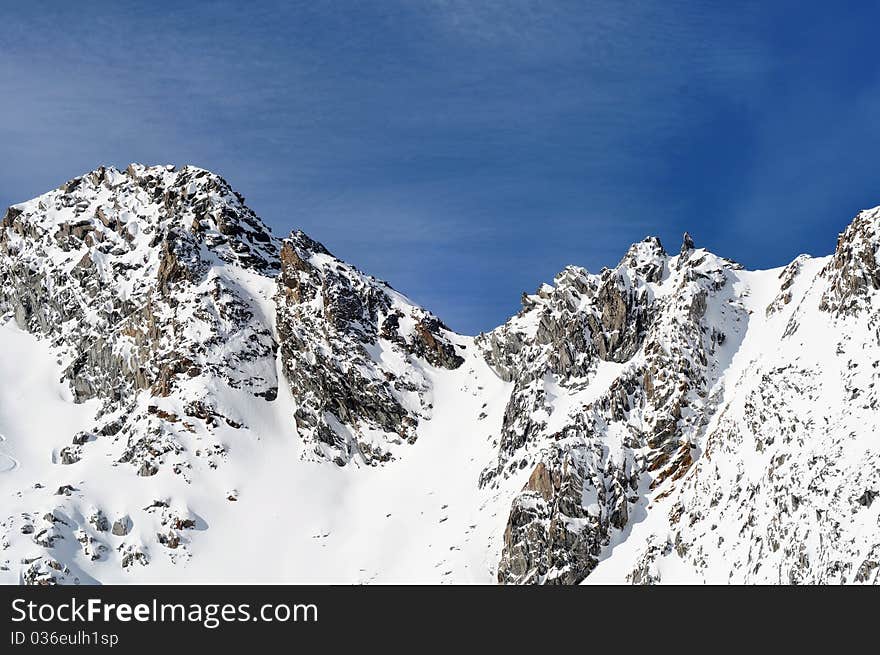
[
  {"x": 687, "y": 244},
  {"x": 647, "y": 259},
  {"x": 113, "y": 213}
]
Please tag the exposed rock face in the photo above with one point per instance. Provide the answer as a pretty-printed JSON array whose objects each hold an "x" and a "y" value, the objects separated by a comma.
[
  {"x": 125, "y": 273},
  {"x": 121, "y": 526},
  {"x": 643, "y": 328},
  {"x": 854, "y": 271},
  {"x": 560, "y": 522},
  {"x": 584, "y": 317},
  {"x": 787, "y": 278},
  {"x": 353, "y": 352}
]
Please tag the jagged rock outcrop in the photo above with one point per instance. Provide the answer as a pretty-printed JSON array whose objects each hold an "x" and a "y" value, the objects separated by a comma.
[
  {"x": 124, "y": 272},
  {"x": 559, "y": 523},
  {"x": 687, "y": 245},
  {"x": 649, "y": 352},
  {"x": 353, "y": 351},
  {"x": 854, "y": 271}
]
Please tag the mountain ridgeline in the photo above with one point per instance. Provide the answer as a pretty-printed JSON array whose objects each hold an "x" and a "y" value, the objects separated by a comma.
[{"x": 187, "y": 396}]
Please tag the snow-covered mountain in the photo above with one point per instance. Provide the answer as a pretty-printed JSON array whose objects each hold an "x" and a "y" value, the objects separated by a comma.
[{"x": 185, "y": 397}]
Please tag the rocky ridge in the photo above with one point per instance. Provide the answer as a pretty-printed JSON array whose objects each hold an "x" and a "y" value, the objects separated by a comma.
[
  {"x": 639, "y": 333},
  {"x": 353, "y": 351},
  {"x": 673, "y": 416}
]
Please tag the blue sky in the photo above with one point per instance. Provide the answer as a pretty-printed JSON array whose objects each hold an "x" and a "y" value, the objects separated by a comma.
[{"x": 465, "y": 150}]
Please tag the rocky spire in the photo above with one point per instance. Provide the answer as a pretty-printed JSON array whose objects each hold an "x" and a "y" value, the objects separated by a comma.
[{"x": 687, "y": 244}]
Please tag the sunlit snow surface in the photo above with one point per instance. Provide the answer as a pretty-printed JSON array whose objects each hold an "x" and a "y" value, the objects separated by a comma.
[{"x": 421, "y": 520}]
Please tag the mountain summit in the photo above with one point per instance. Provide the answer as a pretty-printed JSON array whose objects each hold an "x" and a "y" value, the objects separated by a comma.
[{"x": 185, "y": 396}]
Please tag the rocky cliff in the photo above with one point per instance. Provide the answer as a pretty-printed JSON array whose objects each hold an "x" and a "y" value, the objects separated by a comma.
[{"x": 353, "y": 352}]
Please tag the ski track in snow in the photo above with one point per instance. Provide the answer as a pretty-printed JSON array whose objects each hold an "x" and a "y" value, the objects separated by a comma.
[{"x": 7, "y": 463}]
